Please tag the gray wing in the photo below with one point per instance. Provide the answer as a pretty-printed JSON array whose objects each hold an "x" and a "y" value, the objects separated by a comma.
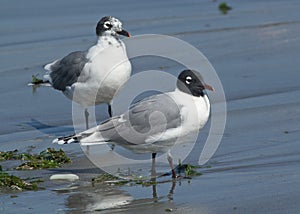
[
  {"x": 66, "y": 71},
  {"x": 146, "y": 118}
]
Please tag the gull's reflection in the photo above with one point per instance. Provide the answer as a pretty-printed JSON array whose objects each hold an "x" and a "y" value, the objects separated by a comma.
[
  {"x": 170, "y": 194},
  {"x": 100, "y": 198},
  {"x": 154, "y": 182},
  {"x": 103, "y": 197}
]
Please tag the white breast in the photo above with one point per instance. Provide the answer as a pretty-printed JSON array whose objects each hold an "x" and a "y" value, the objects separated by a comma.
[
  {"x": 195, "y": 111},
  {"x": 105, "y": 73}
]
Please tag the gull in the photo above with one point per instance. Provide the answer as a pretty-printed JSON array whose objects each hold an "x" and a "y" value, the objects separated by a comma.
[
  {"x": 94, "y": 76},
  {"x": 154, "y": 124}
]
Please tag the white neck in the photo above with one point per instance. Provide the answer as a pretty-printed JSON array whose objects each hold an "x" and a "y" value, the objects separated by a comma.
[
  {"x": 206, "y": 100},
  {"x": 108, "y": 39},
  {"x": 200, "y": 104},
  {"x": 205, "y": 97},
  {"x": 103, "y": 42}
]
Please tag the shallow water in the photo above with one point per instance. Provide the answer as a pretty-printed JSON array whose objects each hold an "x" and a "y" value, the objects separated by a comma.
[{"x": 254, "y": 50}]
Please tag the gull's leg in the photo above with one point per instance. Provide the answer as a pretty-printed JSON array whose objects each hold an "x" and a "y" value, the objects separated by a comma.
[
  {"x": 86, "y": 115},
  {"x": 110, "y": 115},
  {"x": 153, "y": 178},
  {"x": 153, "y": 173},
  {"x": 109, "y": 110},
  {"x": 112, "y": 147},
  {"x": 170, "y": 160}
]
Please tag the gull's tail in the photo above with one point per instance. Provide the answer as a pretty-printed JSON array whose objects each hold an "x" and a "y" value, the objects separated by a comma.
[
  {"x": 89, "y": 137},
  {"x": 66, "y": 139}
]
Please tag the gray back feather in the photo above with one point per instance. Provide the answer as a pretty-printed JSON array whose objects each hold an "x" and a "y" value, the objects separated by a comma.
[
  {"x": 66, "y": 71},
  {"x": 142, "y": 120}
]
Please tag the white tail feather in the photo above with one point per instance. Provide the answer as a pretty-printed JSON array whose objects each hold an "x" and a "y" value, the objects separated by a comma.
[{"x": 86, "y": 138}]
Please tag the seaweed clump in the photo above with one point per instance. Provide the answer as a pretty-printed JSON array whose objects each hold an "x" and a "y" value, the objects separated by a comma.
[
  {"x": 188, "y": 170},
  {"x": 224, "y": 7},
  {"x": 35, "y": 80},
  {"x": 10, "y": 155},
  {"x": 49, "y": 158},
  {"x": 15, "y": 183},
  {"x": 109, "y": 179}
]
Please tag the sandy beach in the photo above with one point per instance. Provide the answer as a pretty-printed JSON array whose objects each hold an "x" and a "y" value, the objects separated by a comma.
[{"x": 254, "y": 50}]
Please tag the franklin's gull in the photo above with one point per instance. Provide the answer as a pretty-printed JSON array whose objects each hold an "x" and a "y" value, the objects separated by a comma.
[
  {"x": 154, "y": 125},
  {"x": 94, "y": 76}
]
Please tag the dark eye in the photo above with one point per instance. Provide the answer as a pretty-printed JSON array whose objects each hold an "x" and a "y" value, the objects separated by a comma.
[{"x": 188, "y": 80}]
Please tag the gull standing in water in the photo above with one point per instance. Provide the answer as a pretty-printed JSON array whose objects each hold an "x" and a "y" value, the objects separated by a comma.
[
  {"x": 94, "y": 76},
  {"x": 153, "y": 125}
]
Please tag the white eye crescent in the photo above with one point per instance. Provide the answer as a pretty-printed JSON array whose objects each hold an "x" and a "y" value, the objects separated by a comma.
[
  {"x": 188, "y": 80},
  {"x": 107, "y": 24}
]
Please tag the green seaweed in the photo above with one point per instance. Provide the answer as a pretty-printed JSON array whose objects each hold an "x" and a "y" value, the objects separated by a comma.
[
  {"x": 38, "y": 164},
  {"x": 49, "y": 158},
  {"x": 224, "y": 7},
  {"x": 104, "y": 177},
  {"x": 15, "y": 183},
  {"x": 35, "y": 80},
  {"x": 188, "y": 170},
  {"x": 36, "y": 83},
  {"x": 113, "y": 180},
  {"x": 108, "y": 178},
  {"x": 9, "y": 155},
  {"x": 146, "y": 183}
]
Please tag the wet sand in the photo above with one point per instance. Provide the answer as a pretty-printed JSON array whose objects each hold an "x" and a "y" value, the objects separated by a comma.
[{"x": 254, "y": 49}]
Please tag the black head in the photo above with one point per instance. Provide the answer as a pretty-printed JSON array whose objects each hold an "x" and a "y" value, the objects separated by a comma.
[
  {"x": 109, "y": 25},
  {"x": 191, "y": 82}
]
